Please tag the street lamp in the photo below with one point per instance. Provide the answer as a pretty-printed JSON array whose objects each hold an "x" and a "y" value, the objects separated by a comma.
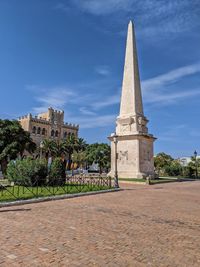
[
  {"x": 41, "y": 147},
  {"x": 72, "y": 158},
  {"x": 116, "y": 184},
  {"x": 195, "y": 158}
]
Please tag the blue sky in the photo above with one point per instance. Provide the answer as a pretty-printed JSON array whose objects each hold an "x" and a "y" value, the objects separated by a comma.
[{"x": 69, "y": 54}]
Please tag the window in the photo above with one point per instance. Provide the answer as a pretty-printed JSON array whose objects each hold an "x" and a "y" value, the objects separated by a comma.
[
  {"x": 34, "y": 130},
  {"x": 65, "y": 135},
  {"x": 38, "y": 130},
  {"x": 52, "y": 132},
  {"x": 43, "y": 131},
  {"x": 56, "y": 134}
]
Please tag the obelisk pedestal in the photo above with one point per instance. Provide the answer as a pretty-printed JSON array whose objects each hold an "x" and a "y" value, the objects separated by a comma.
[{"x": 134, "y": 143}]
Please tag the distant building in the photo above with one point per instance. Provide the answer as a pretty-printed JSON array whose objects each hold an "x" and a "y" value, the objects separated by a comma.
[
  {"x": 184, "y": 161},
  {"x": 49, "y": 125}
]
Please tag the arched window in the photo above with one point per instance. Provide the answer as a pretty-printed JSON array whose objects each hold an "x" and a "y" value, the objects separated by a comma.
[
  {"x": 69, "y": 134},
  {"x": 56, "y": 134},
  {"x": 72, "y": 134},
  {"x": 38, "y": 130},
  {"x": 34, "y": 130},
  {"x": 65, "y": 135},
  {"x": 52, "y": 132},
  {"x": 43, "y": 131}
]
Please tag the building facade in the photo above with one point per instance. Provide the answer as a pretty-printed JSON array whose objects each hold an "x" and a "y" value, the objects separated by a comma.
[
  {"x": 48, "y": 125},
  {"x": 184, "y": 161}
]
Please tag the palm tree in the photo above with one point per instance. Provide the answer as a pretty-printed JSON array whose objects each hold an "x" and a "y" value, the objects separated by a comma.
[
  {"x": 71, "y": 145},
  {"x": 81, "y": 145},
  {"x": 99, "y": 153},
  {"x": 47, "y": 147},
  {"x": 80, "y": 158},
  {"x": 58, "y": 149}
]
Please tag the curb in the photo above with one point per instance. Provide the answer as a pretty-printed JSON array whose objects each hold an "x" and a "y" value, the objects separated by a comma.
[
  {"x": 58, "y": 197},
  {"x": 131, "y": 182}
]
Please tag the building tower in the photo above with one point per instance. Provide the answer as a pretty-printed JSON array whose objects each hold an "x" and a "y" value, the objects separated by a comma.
[{"x": 134, "y": 144}]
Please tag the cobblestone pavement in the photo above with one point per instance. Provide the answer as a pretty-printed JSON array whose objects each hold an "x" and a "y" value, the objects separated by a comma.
[{"x": 139, "y": 226}]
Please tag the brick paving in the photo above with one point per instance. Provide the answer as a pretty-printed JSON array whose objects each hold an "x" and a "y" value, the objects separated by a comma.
[{"x": 140, "y": 226}]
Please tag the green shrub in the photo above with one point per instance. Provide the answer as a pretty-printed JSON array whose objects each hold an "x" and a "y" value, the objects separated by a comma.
[
  {"x": 29, "y": 172},
  {"x": 57, "y": 172}
]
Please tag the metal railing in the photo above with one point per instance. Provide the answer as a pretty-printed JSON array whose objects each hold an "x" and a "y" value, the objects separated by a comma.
[{"x": 70, "y": 185}]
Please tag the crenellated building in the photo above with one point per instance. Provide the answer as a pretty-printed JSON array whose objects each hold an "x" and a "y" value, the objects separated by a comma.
[{"x": 48, "y": 125}]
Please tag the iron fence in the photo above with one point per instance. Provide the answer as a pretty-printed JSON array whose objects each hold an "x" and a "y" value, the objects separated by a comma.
[{"x": 70, "y": 185}]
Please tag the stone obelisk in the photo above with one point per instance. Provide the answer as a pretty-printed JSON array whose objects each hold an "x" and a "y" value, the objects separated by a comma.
[{"x": 131, "y": 145}]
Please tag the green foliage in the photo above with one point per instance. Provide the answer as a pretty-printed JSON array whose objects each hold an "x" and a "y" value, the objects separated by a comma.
[
  {"x": 161, "y": 161},
  {"x": 47, "y": 147},
  {"x": 27, "y": 172},
  {"x": 74, "y": 144},
  {"x": 64, "y": 148},
  {"x": 99, "y": 153},
  {"x": 14, "y": 141},
  {"x": 166, "y": 165},
  {"x": 57, "y": 149},
  {"x": 188, "y": 172},
  {"x": 10, "y": 194},
  {"x": 80, "y": 145},
  {"x": 80, "y": 158},
  {"x": 194, "y": 167},
  {"x": 57, "y": 172},
  {"x": 174, "y": 169}
]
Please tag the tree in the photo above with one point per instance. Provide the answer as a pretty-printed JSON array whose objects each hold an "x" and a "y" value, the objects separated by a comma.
[
  {"x": 80, "y": 158},
  {"x": 57, "y": 149},
  {"x": 60, "y": 149},
  {"x": 47, "y": 148},
  {"x": 174, "y": 169},
  {"x": 72, "y": 143},
  {"x": 100, "y": 154},
  {"x": 57, "y": 172},
  {"x": 161, "y": 161},
  {"x": 81, "y": 145},
  {"x": 27, "y": 172},
  {"x": 14, "y": 141},
  {"x": 194, "y": 166}
]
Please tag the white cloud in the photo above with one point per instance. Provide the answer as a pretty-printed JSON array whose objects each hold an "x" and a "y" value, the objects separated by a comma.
[
  {"x": 173, "y": 133},
  {"x": 56, "y": 97},
  {"x": 94, "y": 122},
  {"x": 194, "y": 133},
  {"x": 61, "y": 97},
  {"x": 103, "y": 7},
  {"x": 107, "y": 101},
  {"x": 103, "y": 70},
  {"x": 170, "y": 77},
  {"x": 171, "y": 98},
  {"x": 85, "y": 111},
  {"x": 63, "y": 7},
  {"x": 86, "y": 107},
  {"x": 153, "y": 18},
  {"x": 40, "y": 109},
  {"x": 157, "y": 89}
]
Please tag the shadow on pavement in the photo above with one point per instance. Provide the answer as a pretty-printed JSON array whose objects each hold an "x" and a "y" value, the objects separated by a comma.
[{"x": 10, "y": 210}]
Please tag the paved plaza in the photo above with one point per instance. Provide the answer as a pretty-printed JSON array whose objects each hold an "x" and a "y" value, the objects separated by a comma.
[{"x": 139, "y": 226}]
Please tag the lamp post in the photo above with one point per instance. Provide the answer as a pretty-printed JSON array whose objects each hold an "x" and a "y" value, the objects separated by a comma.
[
  {"x": 116, "y": 184},
  {"x": 72, "y": 165},
  {"x": 195, "y": 158},
  {"x": 41, "y": 147}
]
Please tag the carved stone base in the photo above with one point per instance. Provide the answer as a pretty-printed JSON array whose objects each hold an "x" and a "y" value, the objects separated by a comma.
[{"x": 134, "y": 156}]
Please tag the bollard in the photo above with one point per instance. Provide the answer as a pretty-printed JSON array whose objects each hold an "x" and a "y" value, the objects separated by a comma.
[{"x": 148, "y": 180}]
